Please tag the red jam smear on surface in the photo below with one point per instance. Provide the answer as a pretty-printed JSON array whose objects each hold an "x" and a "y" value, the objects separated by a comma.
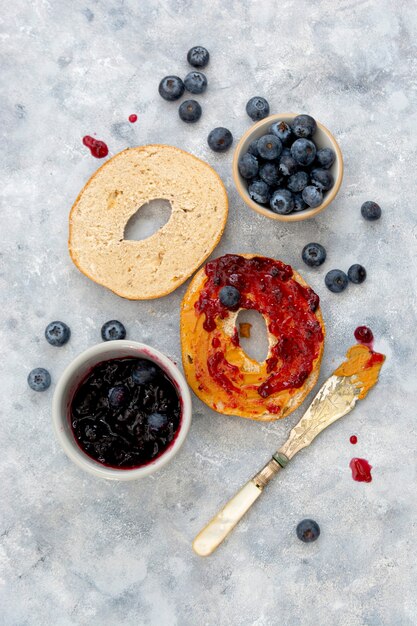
[
  {"x": 364, "y": 335},
  {"x": 133, "y": 118},
  {"x": 97, "y": 148},
  {"x": 361, "y": 470},
  {"x": 353, "y": 439},
  {"x": 267, "y": 286}
]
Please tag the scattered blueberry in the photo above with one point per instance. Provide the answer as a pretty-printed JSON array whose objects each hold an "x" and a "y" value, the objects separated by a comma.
[
  {"x": 304, "y": 126},
  {"x": 313, "y": 254},
  {"x": 322, "y": 179},
  {"x": 57, "y": 333},
  {"x": 190, "y": 111},
  {"x": 229, "y": 297},
  {"x": 195, "y": 82},
  {"x": 298, "y": 181},
  {"x": 257, "y": 108},
  {"x": 282, "y": 202},
  {"x": 259, "y": 191},
  {"x": 371, "y": 210},
  {"x": 269, "y": 147},
  {"x": 282, "y": 130},
  {"x": 336, "y": 281},
  {"x": 312, "y": 196},
  {"x": 325, "y": 157},
  {"x": 269, "y": 172},
  {"x": 198, "y": 56},
  {"x": 356, "y": 274},
  {"x": 39, "y": 379},
  {"x": 287, "y": 165},
  {"x": 308, "y": 530},
  {"x": 118, "y": 396},
  {"x": 144, "y": 372},
  {"x": 157, "y": 421},
  {"x": 171, "y": 88},
  {"x": 303, "y": 151},
  {"x": 220, "y": 139},
  {"x": 253, "y": 148},
  {"x": 299, "y": 204},
  {"x": 113, "y": 330},
  {"x": 248, "y": 166}
]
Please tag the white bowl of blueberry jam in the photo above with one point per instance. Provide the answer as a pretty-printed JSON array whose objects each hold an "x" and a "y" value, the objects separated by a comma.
[{"x": 121, "y": 410}]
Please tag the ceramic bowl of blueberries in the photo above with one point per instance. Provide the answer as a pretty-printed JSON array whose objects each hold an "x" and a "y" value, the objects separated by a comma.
[
  {"x": 121, "y": 410},
  {"x": 288, "y": 167}
]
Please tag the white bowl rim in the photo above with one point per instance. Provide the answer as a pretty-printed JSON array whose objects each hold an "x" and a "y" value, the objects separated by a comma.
[{"x": 120, "y": 349}]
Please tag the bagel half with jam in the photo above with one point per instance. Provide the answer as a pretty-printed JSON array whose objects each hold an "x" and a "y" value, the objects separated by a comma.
[{"x": 218, "y": 370}]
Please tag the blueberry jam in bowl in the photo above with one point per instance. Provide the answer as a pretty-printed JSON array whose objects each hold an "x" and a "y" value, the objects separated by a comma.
[
  {"x": 300, "y": 179},
  {"x": 121, "y": 410}
]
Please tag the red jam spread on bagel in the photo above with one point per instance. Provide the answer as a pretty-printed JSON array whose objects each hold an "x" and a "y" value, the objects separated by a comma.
[{"x": 220, "y": 369}]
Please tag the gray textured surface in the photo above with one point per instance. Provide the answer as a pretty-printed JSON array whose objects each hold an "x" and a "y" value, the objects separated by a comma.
[{"x": 75, "y": 550}]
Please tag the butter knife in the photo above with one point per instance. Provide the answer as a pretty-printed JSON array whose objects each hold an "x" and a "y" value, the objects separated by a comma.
[{"x": 337, "y": 397}]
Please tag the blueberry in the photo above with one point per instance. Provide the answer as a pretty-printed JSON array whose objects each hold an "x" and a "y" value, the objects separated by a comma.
[
  {"x": 270, "y": 174},
  {"x": 269, "y": 147},
  {"x": 371, "y": 210},
  {"x": 259, "y": 191},
  {"x": 171, "y": 88},
  {"x": 253, "y": 148},
  {"x": 190, "y": 111},
  {"x": 195, "y": 82},
  {"x": 313, "y": 254},
  {"x": 297, "y": 182},
  {"x": 118, "y": 396},
  {"x": 325, "y": 157},
  {"x": 144, "y": 372},
  {"x": 303, "y": 151},
  {"x": 308, "y": 530},
  {"x": 113, "y": 330},
  {"x": 248, "y": 165},
  {"x": 287, "y": 165},
  {"x": 39, "y": 379},
  {"x": 282, "y": 130},
  {"x": 57, "y": 333},
  {"x": 157, "y": 421},
  {"x": 356, "y": 274},
  {"x": 198, "y": 56},
  {"x": 336, "y": 281},
  {"x": 229, "y": 297},
  {"x": 220, "y": 139},
  {"x": 257, "y": 108},
  {"x": 312, "y": 196},
  {"x": 322, "y": 179},
  {"x": 282, "y": 202},
  {"x": 299, "y": 204},
  {"x": 304, "y": 126},
  {"x": 286, "y": 151}
]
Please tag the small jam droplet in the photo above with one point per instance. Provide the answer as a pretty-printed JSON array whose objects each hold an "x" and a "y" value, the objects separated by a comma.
[
  {"x": 364, "y": 335},
  {"x": 361, "y": 470},
  {"x": 133, "y": 118},
  {"x": 97, "y": 148},
  {"x": 353, "y": 439}
]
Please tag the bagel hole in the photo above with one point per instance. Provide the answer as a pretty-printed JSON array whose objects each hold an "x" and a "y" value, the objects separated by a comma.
[
  {"x": 148, "y": 219},
  {"x": 256, "y": 346}
]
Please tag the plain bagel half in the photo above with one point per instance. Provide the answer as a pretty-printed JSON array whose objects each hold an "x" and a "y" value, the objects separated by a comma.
[{"x": 152, "y": 267}]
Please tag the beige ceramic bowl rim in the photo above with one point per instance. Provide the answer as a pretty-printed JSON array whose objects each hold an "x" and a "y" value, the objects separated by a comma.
[
  {"x": 292, "y": 217},
  {"x": 65, "y": 388}
]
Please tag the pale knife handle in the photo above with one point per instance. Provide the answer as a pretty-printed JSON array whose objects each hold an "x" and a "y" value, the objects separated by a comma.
[
  {"x": 220, "y": 526},
  {"x": 223, "y": 523}
]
